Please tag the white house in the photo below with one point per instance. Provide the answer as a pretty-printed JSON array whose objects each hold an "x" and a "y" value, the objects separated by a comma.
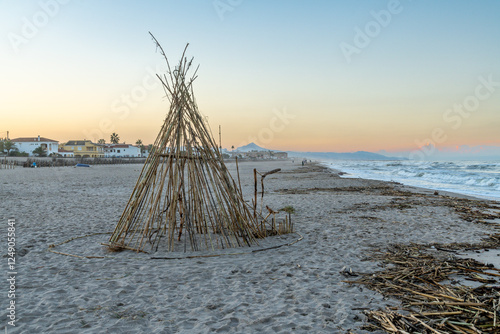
[
  {"x": 121, "y": 151},
  {"x": 29, "y": 144}
]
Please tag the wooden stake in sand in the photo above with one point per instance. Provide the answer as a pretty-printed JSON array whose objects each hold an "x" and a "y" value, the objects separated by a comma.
[{"x": 185, "y": 196}]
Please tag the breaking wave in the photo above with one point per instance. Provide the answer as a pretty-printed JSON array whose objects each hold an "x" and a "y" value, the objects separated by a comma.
[{"x": 477, "y": 178}]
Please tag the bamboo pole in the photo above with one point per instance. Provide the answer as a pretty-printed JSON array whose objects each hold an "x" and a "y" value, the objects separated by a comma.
[
  {"x": 238, "y": 172},
  {"x": 255, "y": 193}
]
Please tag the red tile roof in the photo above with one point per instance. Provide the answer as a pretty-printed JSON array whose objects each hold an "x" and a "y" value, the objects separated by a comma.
[
  {"x": 119, "y": 146},
  {"x": 32, "y": 139}
]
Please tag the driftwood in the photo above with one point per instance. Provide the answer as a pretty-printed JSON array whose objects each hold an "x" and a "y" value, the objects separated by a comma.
[
  {"x": 262, "y": 176},
  {"x": 433, "y": 300}
]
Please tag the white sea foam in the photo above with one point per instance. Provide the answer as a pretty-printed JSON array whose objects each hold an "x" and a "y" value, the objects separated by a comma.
[{"x": 477, "y": 178}]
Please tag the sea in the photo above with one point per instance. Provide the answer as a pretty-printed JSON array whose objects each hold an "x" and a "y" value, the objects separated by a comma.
[{"x": 476, "y": 178}]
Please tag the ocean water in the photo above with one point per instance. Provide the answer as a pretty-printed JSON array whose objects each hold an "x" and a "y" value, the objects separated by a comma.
[{"x": 476, "y": 178}]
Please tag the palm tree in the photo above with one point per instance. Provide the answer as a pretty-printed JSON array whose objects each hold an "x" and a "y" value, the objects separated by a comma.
[
  {"x": 139, "y": 144},
  {"x": 40, "y": 152},
  {"x": 115, "y": 139},
  {"x": 8, "y": 145},
  {"x": 101, "y": 141}
]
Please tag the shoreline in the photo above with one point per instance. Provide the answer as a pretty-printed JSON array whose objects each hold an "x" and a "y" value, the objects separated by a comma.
[
  {"x": 295, "y": 288},
  {"x": 448, "y": 192}
]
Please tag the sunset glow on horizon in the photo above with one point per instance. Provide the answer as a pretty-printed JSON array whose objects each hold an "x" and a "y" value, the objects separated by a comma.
[{"x": 334, "y": 76}]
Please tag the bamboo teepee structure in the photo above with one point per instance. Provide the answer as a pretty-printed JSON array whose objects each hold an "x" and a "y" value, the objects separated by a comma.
[{"x": 185, "y": 197}]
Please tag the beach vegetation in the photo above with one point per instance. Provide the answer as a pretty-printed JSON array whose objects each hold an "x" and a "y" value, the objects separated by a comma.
[
  {"x": 39, "y": 152},
  {"x": 8, "y": 146},
  {"x": 140, "y": 145},
  {"x": 15, "y": 153},
  {"x": 288, "y": 209}
]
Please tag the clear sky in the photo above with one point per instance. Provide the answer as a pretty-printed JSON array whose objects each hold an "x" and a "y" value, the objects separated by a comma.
[{"x": 290, "y": 75}]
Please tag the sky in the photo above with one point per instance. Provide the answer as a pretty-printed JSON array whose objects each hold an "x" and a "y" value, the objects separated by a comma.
[{"x": 338, "y": 76}]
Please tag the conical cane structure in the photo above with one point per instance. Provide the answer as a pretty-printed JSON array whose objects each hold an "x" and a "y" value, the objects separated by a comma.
[{"x": 185, "y": 197}]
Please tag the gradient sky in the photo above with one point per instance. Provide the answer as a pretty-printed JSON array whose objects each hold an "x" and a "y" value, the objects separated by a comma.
[{"x": 273, "y": 72}]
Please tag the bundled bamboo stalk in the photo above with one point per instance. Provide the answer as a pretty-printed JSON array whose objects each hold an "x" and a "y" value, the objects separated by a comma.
[{"x": 185, "y": 196}]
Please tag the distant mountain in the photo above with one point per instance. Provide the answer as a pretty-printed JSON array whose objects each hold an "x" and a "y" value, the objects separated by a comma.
[
  {"x": 251, "y": 147},
  {"x": 360, "y": 155}
]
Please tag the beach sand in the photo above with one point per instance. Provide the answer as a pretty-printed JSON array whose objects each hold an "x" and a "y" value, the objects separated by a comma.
[{"x": 297, "y": 288}]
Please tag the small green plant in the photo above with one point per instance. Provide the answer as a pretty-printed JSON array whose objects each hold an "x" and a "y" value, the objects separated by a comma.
[
  {"x": 288, "y": 224},
  {"x": 289, "y": 209}
]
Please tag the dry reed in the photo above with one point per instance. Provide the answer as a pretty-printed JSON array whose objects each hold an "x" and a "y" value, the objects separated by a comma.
[{"x": 185, "y": 196}]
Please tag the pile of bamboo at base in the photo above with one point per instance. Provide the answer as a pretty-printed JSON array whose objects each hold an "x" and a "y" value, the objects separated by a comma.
[{"x": 433, "y": 300}]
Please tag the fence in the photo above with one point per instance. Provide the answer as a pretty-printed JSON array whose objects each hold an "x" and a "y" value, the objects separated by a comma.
[
  {"x": 7, "y": 164},
  {"x": 12, "y": 162}
]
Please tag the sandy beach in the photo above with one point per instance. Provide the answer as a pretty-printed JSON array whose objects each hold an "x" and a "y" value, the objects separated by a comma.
[{"x": 294, "y": 288}]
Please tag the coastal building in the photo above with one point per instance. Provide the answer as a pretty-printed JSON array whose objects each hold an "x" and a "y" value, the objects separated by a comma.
[
  {"x": 259, "y": 155},
  {"x": 29, "y": 144},
  {"x": 64, "y": 153},
  {"x": 121, "y": 151},
  {"x": 280, "y": 155},
  {"x": 84, "y": 149}
]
